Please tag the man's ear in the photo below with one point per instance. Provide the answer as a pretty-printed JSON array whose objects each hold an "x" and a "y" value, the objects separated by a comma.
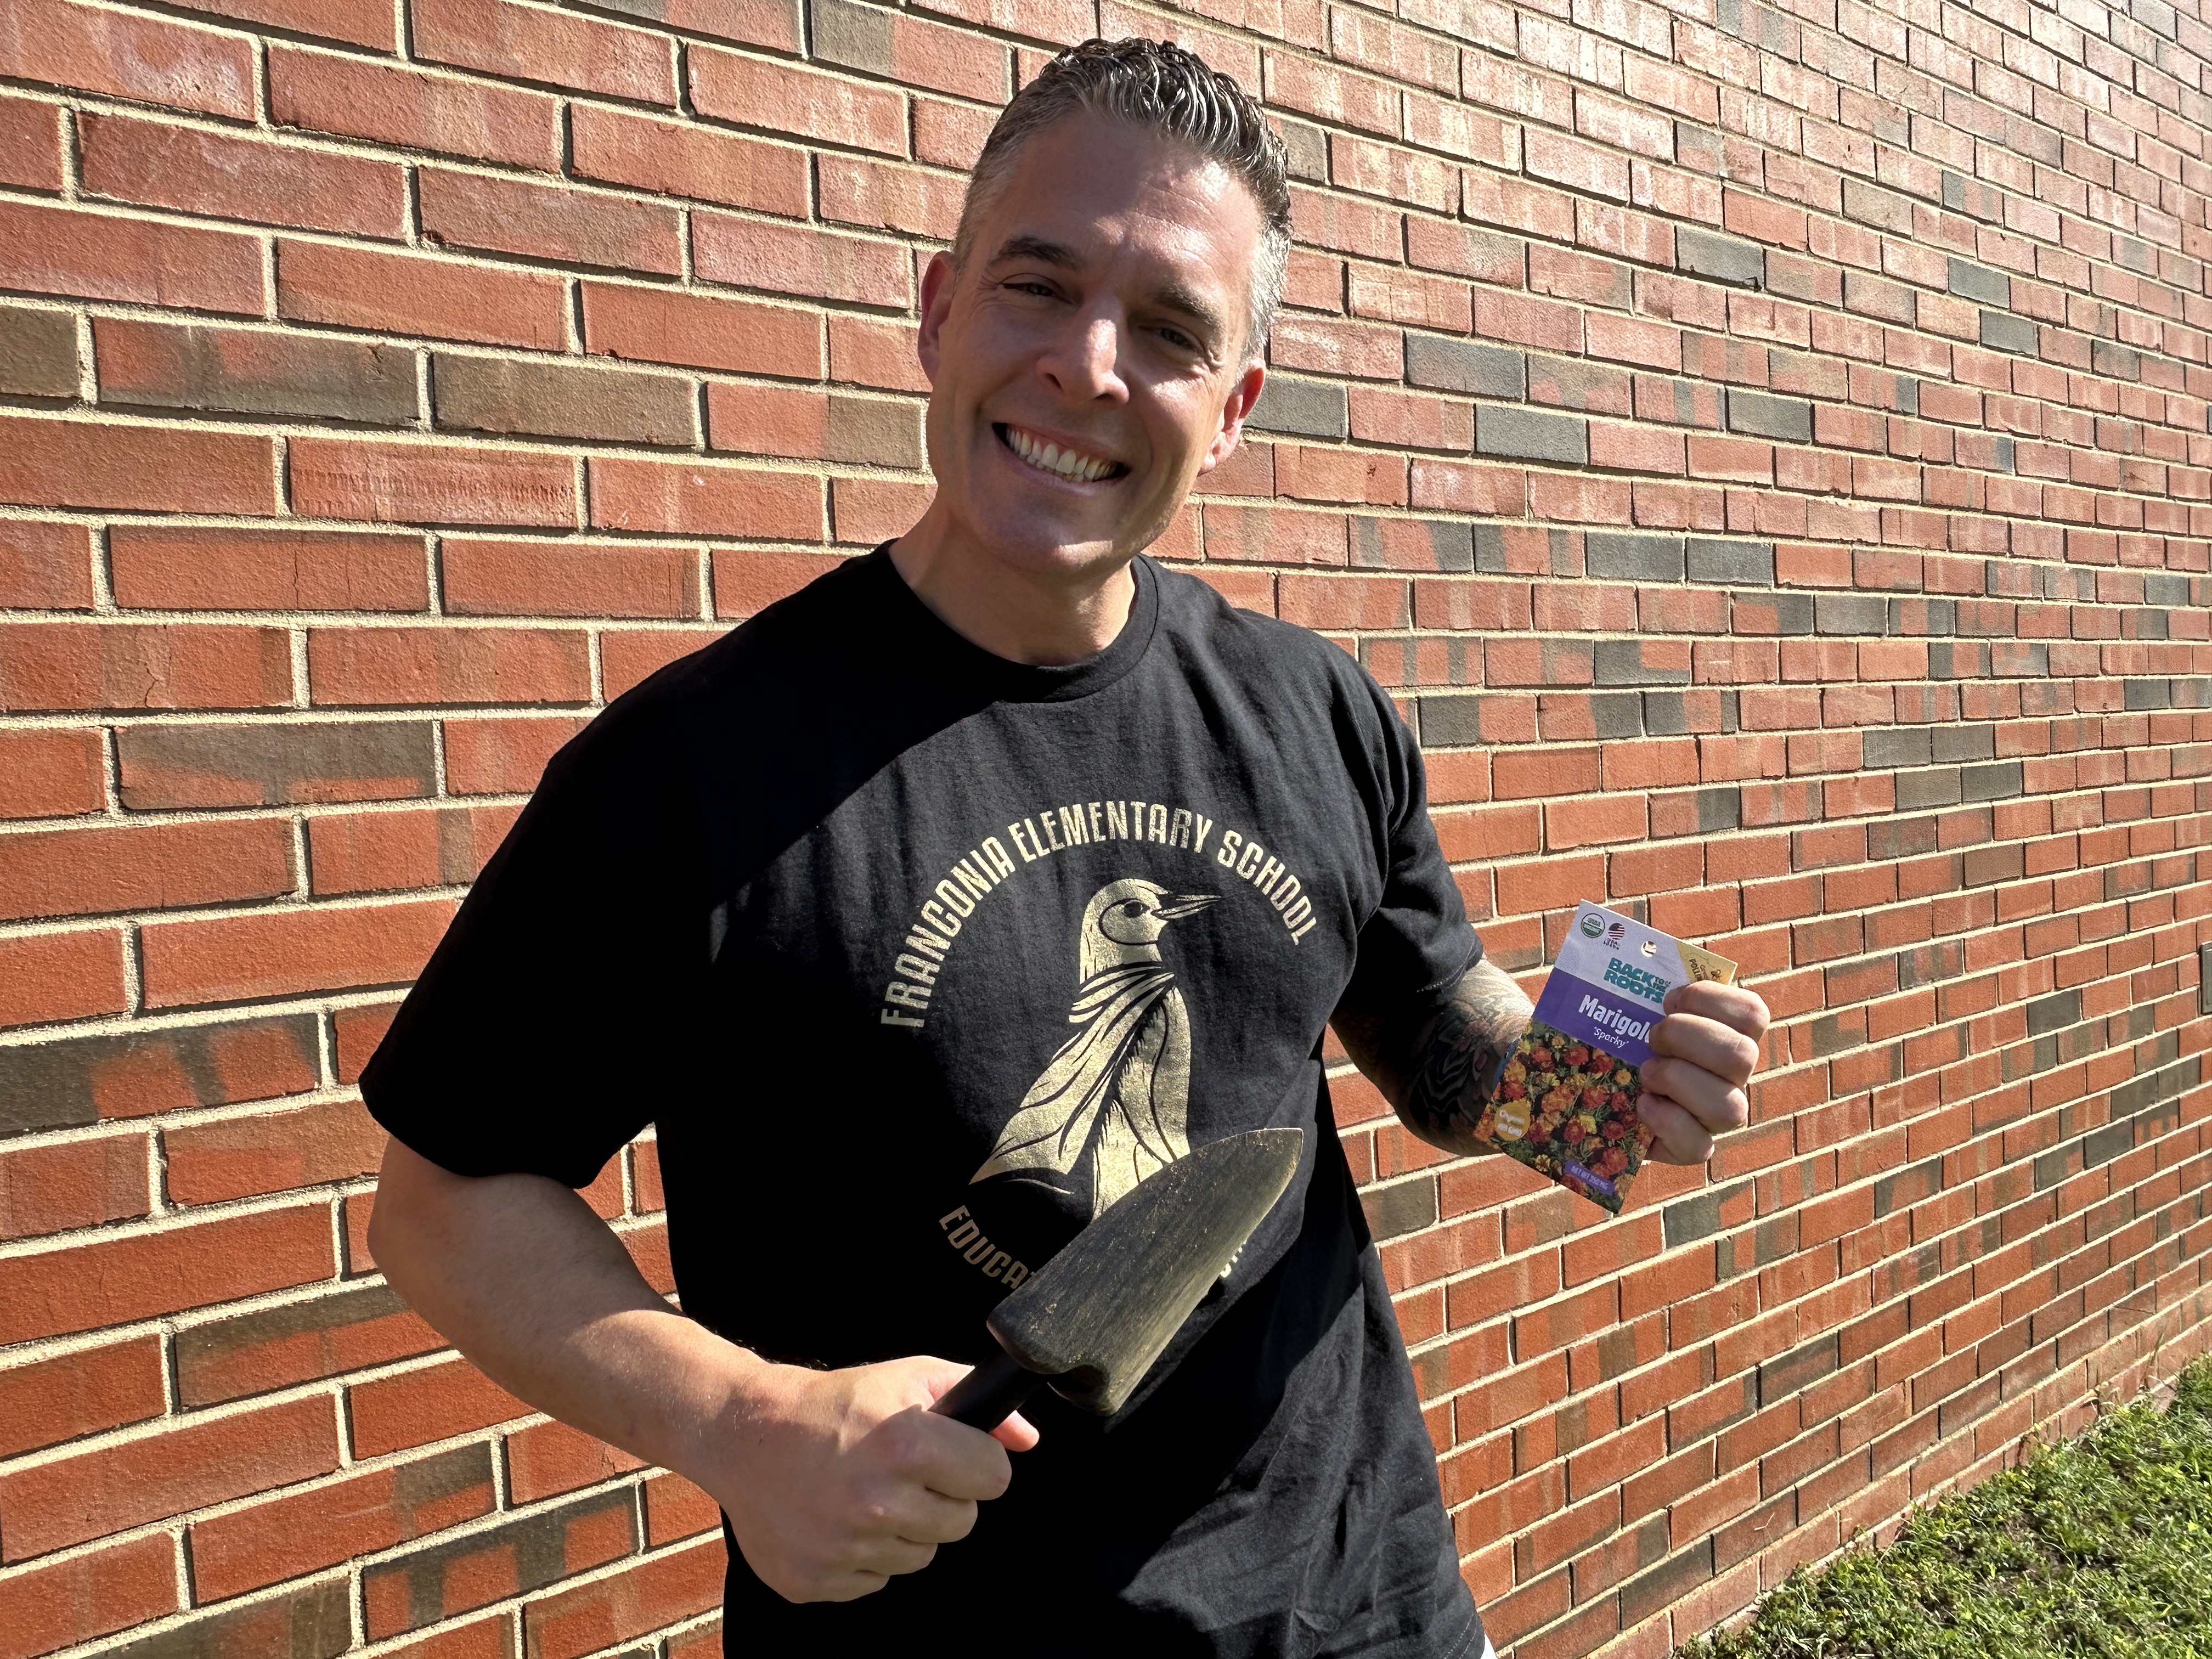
[
  {"x": 937, "y": 283},
  {"x": 1242, "y": 398}
]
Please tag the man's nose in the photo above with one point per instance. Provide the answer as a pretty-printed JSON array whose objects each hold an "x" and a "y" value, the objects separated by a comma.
[{"x": 1085, "y": 361}]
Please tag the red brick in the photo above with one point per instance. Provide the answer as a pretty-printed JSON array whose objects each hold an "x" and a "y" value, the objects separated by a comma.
[
  {"x": 141, "y": 1071},
  {"x": 431, "y": 484},
  {"x": 701, "y": 331},
  {"x": 794, "y": 101},
  {"x": 75, "y": 1183},
  {"x": 569, "y": 579},
  {"x": 885, "y": 197},
  {"x": 670, "y": 158},
  {"x": 563, "y": 398},
  {"x": 361, "y": 22},
  {"x": 687, "y": 498},
  {"x": 90, "y": 1596},
  {"x": 234, "y": 1355},
  {"x": 185, "y": 568},
  {"x": 747, "y": 580},
  {"x": 148, "y": 60},
  {"x": 548, "y": 222},
  {"x": 46, "y": 462},
  {"x": 415, "y": 665},
  {"x": 656, "y": 1592},
  {"x": 547, "y": 1458},
  {"x": 634, "y": 654},
  {"x": 86, "y": 871},
  {"x": 253, "y": 371},
  {"x": 50, "y": 773},
  {"x": 114, "y": 1281},
  {"x": 354, "y": 1035},
  {"x": 274, "y": 765},
  {"x": 867, "y": 511},
  {"x": 31, "y": 142},
  {"x": 869, "y": 352},
  {"x": 54, "y": 977},
  {"x": 433, "y": 1403},
  {"x": 386, "y": 852},
  {"x": 286, "y": 953},
  {"x": 272, "y": 1152},
  {"x": 290, "y": 1536},
  {"x": 502, "y": 756},
  {"x": 497, "y": 1564},
  {"x": 420, "y": 110},
  {"x": 676, "y": 1509},
  {"x": 223, "y": 176},
  {"x": 902, "y": 47},
  {"x": 796, "y": 259},
  {"x": 110, "y": 256},
  {"x": 61, "y": 666},
  {"x": 158, "y": 1475},
  {"x": 804, "y": 424},
  {"x": 538, "y": 43},
  {"x": 487, "y": 1638},
  {"x": 45, "y": 566},
  {"x": 45, "y": 1402},
  {"x": 407, "y": 293}
]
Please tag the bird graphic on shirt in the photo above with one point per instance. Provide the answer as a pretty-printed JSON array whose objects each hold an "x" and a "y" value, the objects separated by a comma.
[{"x": 1118, "y": 1088}]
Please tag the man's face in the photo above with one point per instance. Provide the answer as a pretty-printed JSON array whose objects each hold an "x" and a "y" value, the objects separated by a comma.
[{"x": 1088, "y": 362}]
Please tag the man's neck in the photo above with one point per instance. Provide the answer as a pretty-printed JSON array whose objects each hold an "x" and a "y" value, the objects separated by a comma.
[{"x": 1042, "y": 619}]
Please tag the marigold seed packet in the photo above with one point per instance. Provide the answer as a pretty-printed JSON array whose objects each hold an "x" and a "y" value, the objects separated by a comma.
[{"x": 1566, "y": 1104}]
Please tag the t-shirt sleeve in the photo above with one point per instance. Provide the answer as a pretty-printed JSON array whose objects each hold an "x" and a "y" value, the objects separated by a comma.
[
  {"x": 557, "y": 1013},
  {"x": 1419, "y": 939}
]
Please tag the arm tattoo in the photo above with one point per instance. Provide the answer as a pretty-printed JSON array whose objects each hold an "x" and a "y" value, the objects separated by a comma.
[{"x": 1457, "y": 1069}]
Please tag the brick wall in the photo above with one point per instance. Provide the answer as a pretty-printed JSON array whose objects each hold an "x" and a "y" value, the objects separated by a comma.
[{"x": 1765, "y": 446}]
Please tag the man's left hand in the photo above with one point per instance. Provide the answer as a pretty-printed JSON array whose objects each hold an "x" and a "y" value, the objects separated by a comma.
[{"x": 1703, "y": 1054}]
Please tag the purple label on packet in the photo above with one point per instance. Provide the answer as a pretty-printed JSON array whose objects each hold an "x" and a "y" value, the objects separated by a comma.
[
  {"x": 1597, "y": 1016},
  {"x": 1598, "y": 1183}
]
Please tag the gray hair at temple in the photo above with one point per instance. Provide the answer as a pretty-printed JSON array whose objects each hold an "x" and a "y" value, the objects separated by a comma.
[{"x": 1158, "y": 86}]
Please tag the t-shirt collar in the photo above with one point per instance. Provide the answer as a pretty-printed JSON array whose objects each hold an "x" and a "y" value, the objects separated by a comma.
[{"x": 1013, "y": 682}]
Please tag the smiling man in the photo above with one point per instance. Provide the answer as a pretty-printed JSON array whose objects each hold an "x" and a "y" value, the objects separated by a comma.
[{"x": 931, "y": 911}]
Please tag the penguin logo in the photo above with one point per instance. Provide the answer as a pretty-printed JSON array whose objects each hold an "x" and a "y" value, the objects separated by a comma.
[{"x": 1118, "y": 1088}]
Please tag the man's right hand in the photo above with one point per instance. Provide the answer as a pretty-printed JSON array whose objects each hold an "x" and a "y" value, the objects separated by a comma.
[{"x": 836, "y": 1481}]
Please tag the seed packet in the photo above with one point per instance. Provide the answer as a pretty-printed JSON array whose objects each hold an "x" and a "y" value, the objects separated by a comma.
[{"x": 1566, "y": 1105}]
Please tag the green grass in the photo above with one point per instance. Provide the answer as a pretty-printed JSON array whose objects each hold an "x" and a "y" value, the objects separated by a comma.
[{"x": 2101, "y": 1546}]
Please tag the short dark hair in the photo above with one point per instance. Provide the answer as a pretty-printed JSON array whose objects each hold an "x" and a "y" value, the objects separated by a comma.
[{"x": 1157, "y": 86}]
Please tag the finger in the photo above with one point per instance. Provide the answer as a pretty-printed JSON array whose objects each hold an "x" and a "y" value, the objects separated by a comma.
[
  {"x": 1712, "y": 1046},
  {"x": 1728, "y": 1004},
  {"x": 947, "y": 1457},
  {"x": 1718, "y": 1104},
  {"x": 890, "y": 1557},
  {"x": 1677, "y": 1137},
  {"x": 922, "y": 1517},
  {"x": 1017, "y": 1433}
]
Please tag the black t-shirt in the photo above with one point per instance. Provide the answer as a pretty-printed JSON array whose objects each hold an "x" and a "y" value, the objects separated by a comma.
[{"x": 917, "y": 958}]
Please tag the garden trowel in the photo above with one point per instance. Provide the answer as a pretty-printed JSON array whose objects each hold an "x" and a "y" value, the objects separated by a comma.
[{"x": 1092, "y": 1320}]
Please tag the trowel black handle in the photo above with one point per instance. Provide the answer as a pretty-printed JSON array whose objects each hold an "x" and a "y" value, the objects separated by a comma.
[{"x": 990, "y": 1394}]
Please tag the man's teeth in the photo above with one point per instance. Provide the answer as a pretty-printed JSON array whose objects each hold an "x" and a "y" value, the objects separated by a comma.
[{"x": 1067, "y": 462}]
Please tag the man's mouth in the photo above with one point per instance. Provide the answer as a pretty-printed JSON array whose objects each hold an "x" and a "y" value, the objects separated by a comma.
[{"x": 1047, "y": 457}]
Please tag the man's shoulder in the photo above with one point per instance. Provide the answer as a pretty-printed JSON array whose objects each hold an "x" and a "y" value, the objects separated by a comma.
[
  {"x": 832, "y": 614},
  {"x": 1204, "y": 618}
]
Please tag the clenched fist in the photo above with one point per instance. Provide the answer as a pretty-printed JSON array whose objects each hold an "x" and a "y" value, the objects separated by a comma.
[{"x": 835, "y": 1481}]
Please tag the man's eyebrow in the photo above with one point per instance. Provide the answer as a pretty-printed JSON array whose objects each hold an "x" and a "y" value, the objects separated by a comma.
[
  {"x": 1177, "y": 297},
  {"x": 1174, "y": 296},
  {"x": 1036, "y": 247}
]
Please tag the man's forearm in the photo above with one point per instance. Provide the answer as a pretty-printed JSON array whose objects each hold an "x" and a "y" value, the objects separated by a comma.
[
  {"x": 1440, "y": 1071},
  {"x": 519, "y": 1274}
]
